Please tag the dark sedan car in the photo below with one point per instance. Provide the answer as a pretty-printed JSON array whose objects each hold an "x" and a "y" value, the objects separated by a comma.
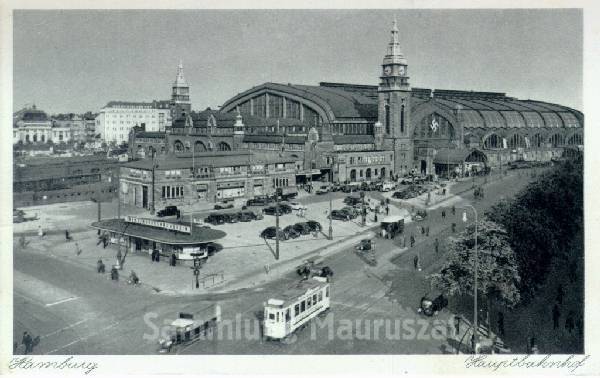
[
  {"x": 269, "y": 233},
  {"x": 340, "y": 215},
  {"x": 302, "y": 228},
  {"x": 314, "y": 225},
  {"x": 215, "y": 219},
  {"x": 259, "y": 201},
  {"x": 167, "y": 211},
  {"x": 291, "y": 232},
  {"x": 224, "y": 205},
  {"x": 352, "y": 200}
]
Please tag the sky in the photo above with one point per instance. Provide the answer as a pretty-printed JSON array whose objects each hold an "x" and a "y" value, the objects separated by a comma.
[{"x": 72, "y": 61}]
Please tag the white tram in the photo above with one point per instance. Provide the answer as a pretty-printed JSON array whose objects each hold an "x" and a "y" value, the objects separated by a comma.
[{"x": 296, "y": 307}]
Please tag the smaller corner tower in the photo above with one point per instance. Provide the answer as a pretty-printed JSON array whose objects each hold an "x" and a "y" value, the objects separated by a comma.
[{"x": 181, "y": 106}]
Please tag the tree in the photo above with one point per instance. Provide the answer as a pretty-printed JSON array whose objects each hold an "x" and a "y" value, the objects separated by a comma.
[
  {"x": 542, "y": 222},
  {"x": 498, "y": 275}
]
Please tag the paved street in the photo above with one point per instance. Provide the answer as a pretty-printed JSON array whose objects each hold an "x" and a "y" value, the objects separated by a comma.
[{"x": 75, "y": 310}]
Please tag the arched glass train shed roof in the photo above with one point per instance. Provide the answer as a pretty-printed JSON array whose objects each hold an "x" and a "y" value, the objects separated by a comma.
[{"x": 342, "y": 102}]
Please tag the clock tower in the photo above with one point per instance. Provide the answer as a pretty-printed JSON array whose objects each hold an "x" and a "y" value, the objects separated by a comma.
[{"x": 394, "y": 104}]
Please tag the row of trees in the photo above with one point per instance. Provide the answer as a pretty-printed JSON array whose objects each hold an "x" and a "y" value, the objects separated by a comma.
[{"x": 520, "y": 239}]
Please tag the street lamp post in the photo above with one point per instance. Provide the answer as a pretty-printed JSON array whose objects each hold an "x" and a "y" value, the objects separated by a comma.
[
  {"x": 152, "y": 208},
  {"x": 331, "y": 203},
  {"x": 278, "y": 192},
  {"x": 475, "y": 283},
  {"x": 363, "y": 211}
]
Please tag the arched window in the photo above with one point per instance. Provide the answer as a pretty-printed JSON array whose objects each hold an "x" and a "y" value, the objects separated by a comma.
[
  {"x": 383, "y": 172},
  {"x": 537, "y": 141},
  {"x": 402, "y": 119},
  {"x": 492, "y": 141},
  {"x": 43, "y": 138},
  {"x": 368, "y": 173},
  {"x": 222, "y": 146},
  {"x": 27, "y": 138},
  {"x": 353, "y": 175},
  {"x": 199, "y": 147},
  {"x": 556, "y": 140},
  {"x": 387, "y": 118},
  {"x": 575, "y": 140},
  {"x": 516, "y": 141},
  {"x": 178, "y": 145}
]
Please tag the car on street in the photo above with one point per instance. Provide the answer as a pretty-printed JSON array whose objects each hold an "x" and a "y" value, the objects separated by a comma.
[
  {"x": 259, "y": 201},
  {"x": 215, "y": 218},
  {"x": 224, "y": 205},
  {"x": 322, "y": 189},
  {"x": 352, "y": 211},
  {"x": 348, "y": 188},
  {"x": 302, "y": 228},
  {"x": 314, "y": 225},
  {"x": 232, "y": 217},
  {"x": 246, "y": 216},
  {"x": 351, "y": 200},
  {"x": 387, "y": 186},
  {"x": 339, "y": 215},
  {"x": 269, "y": 233},
  {"x": 291, "y": 232},
  {"x": 167, "y": 211},
  {"x": 297, "y": 206}
]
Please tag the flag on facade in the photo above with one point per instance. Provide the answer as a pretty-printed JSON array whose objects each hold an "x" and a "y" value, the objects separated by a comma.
[{"x": 434, "y": 124}]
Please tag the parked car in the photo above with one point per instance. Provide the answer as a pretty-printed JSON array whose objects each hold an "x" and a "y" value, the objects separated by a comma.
[
  {"x": 167, "y": 211},
  {"x": 302, "y": 228},
  {"x": 322, "y": 189},
  {"x": 348, "y": 188},
  {"x": 215, "y": 218},
  {"x": 297, "y": 206},
  {"x": 287, "y": 209},
  {"x": 232, "y": 217},
  {"x": 269, "y": 233},
  {"x": 246, "y": 216},
  {"x": 350, "y": 200},
  {"x": 387, "y": 186},
  {"x": 340, "y": 215},
  {"x": 259, "y": 201},
  {"x": 314, "y": 225},
  {"x": 291, "y": 232},
  {"x": 271, "y": 210},
  {"x": 353, "y": 212},
  {"x": 431, "y": 304},
  {"x": 224, "y": 205}
]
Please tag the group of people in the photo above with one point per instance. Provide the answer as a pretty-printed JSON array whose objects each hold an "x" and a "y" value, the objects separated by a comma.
[{"x": 28, "y": 342}]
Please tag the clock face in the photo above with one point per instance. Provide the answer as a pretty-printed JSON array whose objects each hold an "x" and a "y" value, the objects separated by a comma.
[
  {"x": 387, "y": 70},
  {"x": 401, "y": 70}
]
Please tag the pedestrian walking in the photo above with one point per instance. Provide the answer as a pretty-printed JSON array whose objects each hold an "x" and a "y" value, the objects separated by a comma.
[
  {"x": 570, "y": 322},
  {"x": 67, "y": 236},
  {"x": 453, "y": 227},
  {"x": 501, "y": 323},
  {"x": 443, "y": 214},
  {"x": 375, "y": 217},
  {"x": 560, "y": 293},
  {"x": 456, "y": 326},
  {"x": 422, "y": 230},
  {"x": 383, "y": 233},
  {"x": 453, "y": 210},
  {"x": 387, "y": 210},
  {"x": 40, "y": 232},
  {"x": 427, "y": 231},
  {"x": 114, "y": 274},
  {"x": 119, "y": 256},
  {"x": 101, "y": 267},
  {"x": 555, "y": 315},
  {"x": 412, "y": 241},
  {"x": 436, "y": 245},
  {"x": 267, "y": 268},
  {"x": 28, "y": 342},
  {"x": 416, "y": 262}
]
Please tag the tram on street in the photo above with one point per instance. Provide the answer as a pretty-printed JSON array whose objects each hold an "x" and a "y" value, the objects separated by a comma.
[
  {"x": 296, "y": 307},
  {"x": 188, "y": 327}
]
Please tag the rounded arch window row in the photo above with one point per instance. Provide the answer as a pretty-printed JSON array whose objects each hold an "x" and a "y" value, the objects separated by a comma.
[
  {"x": 514, "y": 119},
  {"x": 199, "y": 146},
  {"x": 276, "y": 106},
  {"x": 495, "y": 141}
]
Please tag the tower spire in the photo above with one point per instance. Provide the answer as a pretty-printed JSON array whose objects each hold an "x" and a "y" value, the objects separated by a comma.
[{"x": 394, "y": 55}]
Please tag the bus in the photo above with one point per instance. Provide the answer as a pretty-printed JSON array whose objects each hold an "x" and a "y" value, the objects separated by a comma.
[{"x": 296, "y": 307}]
